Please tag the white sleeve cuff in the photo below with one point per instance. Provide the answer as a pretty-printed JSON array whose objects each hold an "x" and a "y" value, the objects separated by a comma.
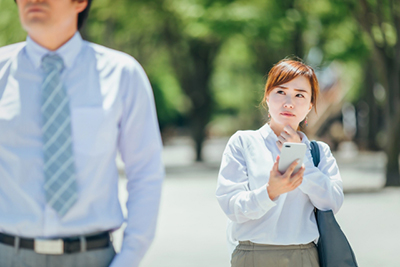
[{"x": 262, "y": 197}]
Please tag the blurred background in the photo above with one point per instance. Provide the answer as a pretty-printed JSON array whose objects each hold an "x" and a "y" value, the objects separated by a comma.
[{"x": 207, "y": 61}]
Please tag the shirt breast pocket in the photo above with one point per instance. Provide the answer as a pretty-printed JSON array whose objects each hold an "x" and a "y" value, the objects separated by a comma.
[{"x": 93, "y": 130}]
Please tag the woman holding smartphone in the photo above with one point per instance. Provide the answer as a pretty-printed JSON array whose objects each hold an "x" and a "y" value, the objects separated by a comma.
[{"x": 271, "y": 218}]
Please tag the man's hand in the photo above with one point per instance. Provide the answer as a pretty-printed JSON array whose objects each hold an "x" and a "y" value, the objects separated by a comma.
[
  {"x": 288, "y": 135},
  {"x": 282, "y": 183}
]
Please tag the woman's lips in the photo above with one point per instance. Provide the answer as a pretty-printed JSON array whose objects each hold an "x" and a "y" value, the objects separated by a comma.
[{"x": 287, "y": 114}]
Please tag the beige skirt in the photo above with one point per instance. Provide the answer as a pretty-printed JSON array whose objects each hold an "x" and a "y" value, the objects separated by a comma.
[{"x": 249, "y": 254}]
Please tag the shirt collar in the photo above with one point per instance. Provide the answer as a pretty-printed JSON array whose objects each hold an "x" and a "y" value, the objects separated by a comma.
[
  {"x": 267, "y": 133},
  {"x": 67, "y": 52}
]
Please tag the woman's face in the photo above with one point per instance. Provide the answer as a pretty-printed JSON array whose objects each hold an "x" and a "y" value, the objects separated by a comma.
[{"x": 290, "y": 103}]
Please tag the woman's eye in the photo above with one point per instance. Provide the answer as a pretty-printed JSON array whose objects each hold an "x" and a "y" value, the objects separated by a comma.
[
  {"x": 300, "y": 95},
  {"x": 280, "y": 92}
]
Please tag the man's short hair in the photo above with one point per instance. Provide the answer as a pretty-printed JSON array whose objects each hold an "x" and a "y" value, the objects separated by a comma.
[{"x": 83, "y": 15}]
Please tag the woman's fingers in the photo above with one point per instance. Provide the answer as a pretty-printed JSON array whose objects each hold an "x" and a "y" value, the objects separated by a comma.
[
  {"x": 288, "y": 129},
  {"x": 301, "y": 170},
  {"x": 298, "y": 182},
  {"x": 285, "y": 135},
  {"x": 291, "y": 168},
  {"x": 289, "y": 135},
  {"x": 298, "y": 175},
  {"x": 282, "y": 139},
  {"x": 279, "y": 144},
  {"x": 281, "y": 184},
  {"x": 276, "y": 164}
]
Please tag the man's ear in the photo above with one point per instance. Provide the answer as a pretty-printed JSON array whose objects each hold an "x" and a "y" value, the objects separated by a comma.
[{"x": 80, "y": 5}]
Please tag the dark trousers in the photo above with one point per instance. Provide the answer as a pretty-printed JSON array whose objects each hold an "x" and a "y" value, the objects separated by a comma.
[{"x": 17, "y": 257}]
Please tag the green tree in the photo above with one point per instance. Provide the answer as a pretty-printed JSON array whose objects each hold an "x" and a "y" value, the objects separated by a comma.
[
  {"x": 10, "y": 27},
  {"x": 380, "y": 22},
  {"x": 135, "y": 28}
]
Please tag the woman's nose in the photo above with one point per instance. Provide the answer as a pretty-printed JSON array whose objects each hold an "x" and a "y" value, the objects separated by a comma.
[{"x": 288, "y": 105}]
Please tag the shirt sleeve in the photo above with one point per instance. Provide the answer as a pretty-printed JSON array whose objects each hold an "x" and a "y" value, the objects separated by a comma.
[
  {"x": 233, "y": 193},
  {"x": 323, "y": 185},
  {"x": 140, "y": 147}
]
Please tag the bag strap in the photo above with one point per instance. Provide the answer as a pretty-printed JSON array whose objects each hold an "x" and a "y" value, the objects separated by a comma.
[
  {"x": 316, "y": 159},
  {"x": 315, "y": 152}
]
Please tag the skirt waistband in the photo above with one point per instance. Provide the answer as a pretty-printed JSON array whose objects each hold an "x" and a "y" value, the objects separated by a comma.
[{"x": 248, "y": 245}]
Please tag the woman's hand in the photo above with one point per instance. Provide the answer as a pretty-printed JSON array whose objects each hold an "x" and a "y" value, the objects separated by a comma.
[
  {"x": 288, "y": 135},
  {"x": 282, "y": 183}
]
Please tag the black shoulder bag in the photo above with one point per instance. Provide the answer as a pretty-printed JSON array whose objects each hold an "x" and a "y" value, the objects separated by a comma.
[{"x": 333, "y": 248}]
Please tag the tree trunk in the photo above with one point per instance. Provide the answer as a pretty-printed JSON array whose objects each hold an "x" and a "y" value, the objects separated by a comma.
[
  {"x": 393, "y": 151},
  {"x": 193, "y": 62},
  {"x": 374, "y": 114},
  {"x": 197, "y": 87},
  {"x": 199, "y": 92},
  {"x": 199, "y": 121},
  {"x": 298, "y": 48},
  {"x": 387, "y": 64},
  {"x": 392, "y": 167},
  {"x": 393, "y": 143}
]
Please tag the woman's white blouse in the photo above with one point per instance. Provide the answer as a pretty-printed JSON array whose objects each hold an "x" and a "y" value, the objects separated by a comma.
[{"x": 242, "y": 191}]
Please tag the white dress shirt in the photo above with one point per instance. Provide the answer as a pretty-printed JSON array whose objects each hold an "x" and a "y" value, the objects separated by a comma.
[
  {"x": 242, "y": 191},
  {"x": 112, "y": 109}
]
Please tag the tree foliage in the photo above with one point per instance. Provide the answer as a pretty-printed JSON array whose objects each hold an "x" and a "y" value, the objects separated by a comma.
[
  {"x": 380, "y": 22},
  {"x": 207, "y": 59}
]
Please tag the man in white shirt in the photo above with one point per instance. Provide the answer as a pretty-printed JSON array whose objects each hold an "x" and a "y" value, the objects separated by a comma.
[{"x": 66, "y": 107}]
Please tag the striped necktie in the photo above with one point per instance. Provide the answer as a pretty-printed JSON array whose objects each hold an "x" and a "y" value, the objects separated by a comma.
[{"x": 59, "y": 169}]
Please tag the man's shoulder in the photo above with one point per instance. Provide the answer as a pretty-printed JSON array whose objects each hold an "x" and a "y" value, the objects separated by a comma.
[
  {"x": 9, "y": 51},
  {"x": 112, "y": 56}
]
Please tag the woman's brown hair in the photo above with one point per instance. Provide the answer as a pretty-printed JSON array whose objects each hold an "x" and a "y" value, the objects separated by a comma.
[{"x": 285, "y": 71}]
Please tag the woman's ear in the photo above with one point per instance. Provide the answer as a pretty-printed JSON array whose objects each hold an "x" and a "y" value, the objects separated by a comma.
[{"x": 310, "y": 107}]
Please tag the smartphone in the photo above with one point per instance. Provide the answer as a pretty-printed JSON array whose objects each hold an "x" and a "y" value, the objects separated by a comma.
[{"x": 289, "y": 153}]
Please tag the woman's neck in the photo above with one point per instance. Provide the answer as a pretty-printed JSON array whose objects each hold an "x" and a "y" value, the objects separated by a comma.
[{"x": 277, "y": 128}]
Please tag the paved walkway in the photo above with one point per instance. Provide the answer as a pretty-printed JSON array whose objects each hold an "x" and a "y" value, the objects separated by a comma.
[{"x": 191, "y": 226}]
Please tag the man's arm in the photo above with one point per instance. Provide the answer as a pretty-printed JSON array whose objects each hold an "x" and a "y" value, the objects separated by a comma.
[{"x": 140, "y": 147}]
